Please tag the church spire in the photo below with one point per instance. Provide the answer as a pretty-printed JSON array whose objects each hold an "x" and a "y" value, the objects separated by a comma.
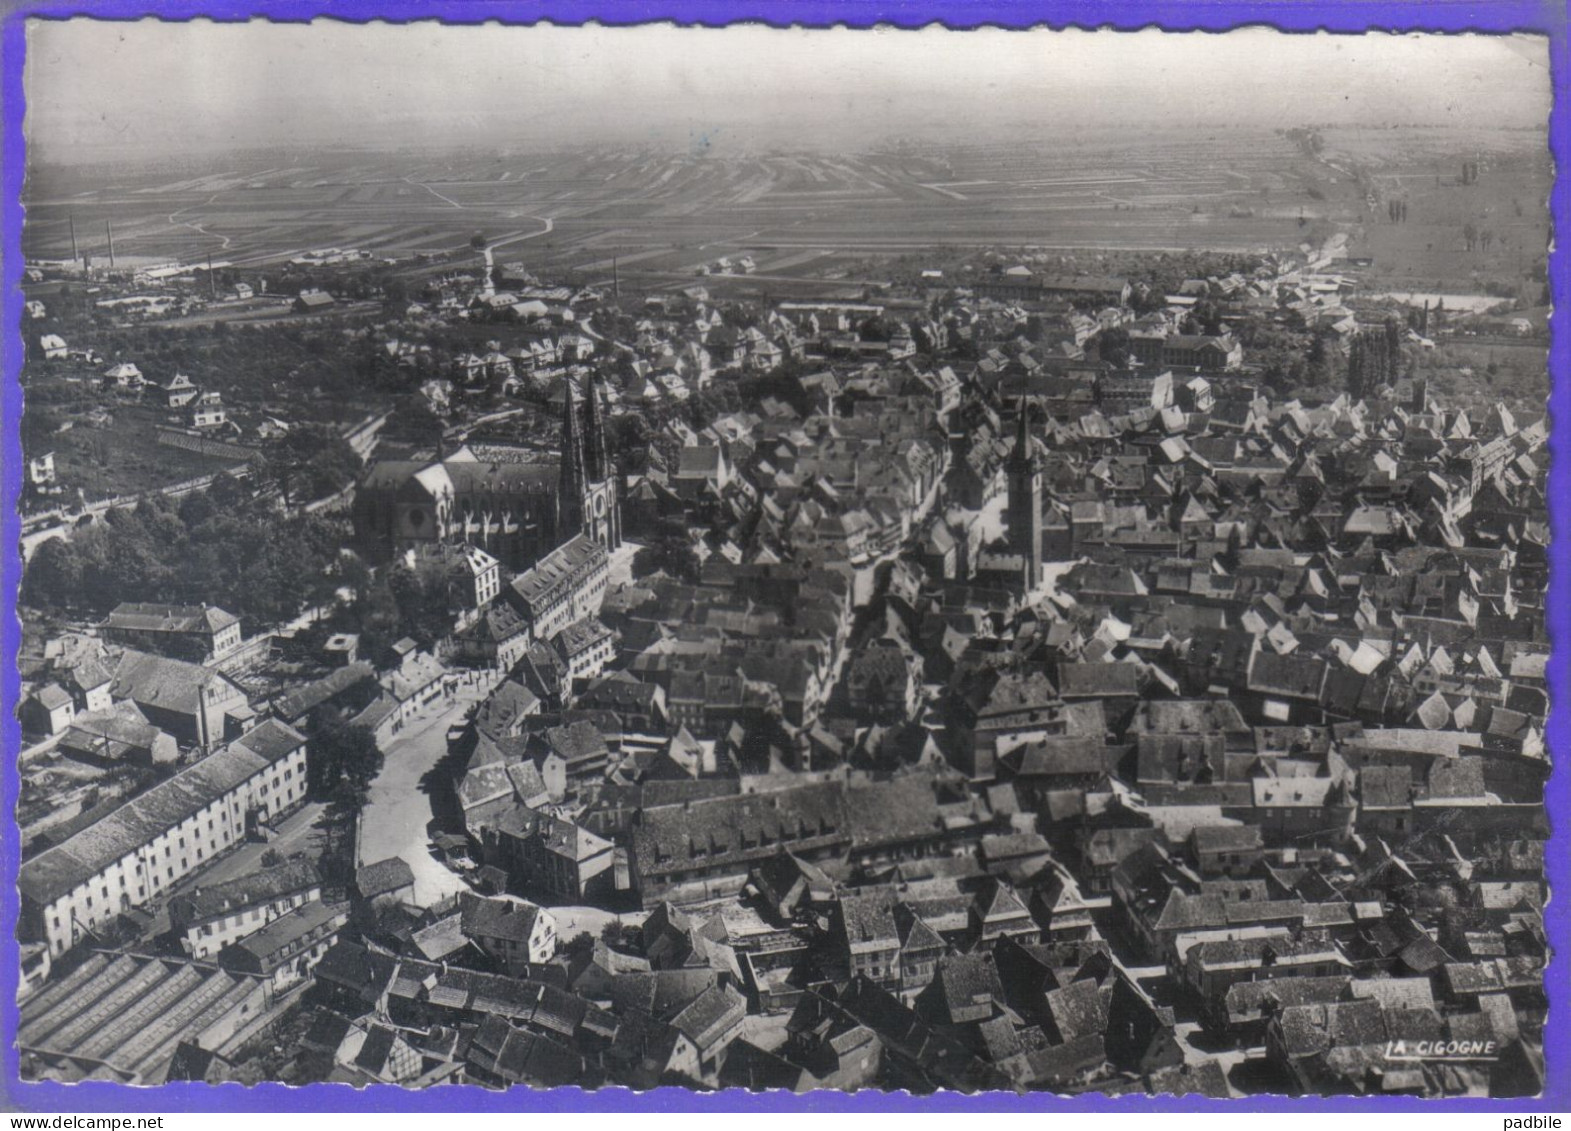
[
  {"x": 596, "y": 462},
  {"x": 1023, "y": 454},
  {"x": 570, "y": 482},
  {"x": 1024, "y": 513}
]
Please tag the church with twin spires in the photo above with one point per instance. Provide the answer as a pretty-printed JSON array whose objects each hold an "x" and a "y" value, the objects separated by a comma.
[{"x": 503, "y": 500}]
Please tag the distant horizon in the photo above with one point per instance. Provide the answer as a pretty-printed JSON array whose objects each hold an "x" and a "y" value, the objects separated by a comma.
[
  {"x": 127, "y": 154},
  {"x": 102, "y": 91}
]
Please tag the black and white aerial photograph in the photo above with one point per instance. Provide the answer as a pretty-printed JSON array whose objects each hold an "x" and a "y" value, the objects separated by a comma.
[{"x": 785, "y": 560}]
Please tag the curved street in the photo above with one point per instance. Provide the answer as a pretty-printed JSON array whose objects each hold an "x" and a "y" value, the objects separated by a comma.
[{"x": 397, "y": 817}]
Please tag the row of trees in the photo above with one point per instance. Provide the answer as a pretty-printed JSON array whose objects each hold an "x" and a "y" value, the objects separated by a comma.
[
  {"x": 1373, "y": 359},
  {"x": 1476, "y": 239}
]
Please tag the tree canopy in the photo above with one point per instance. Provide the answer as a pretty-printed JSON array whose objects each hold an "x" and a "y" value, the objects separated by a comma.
[
  {"x": 238, "y": 553},
  {"x": 413, "y": 421},
  {"x": 309, "y": 463},
  {"x": 668, "y": 551},
  {"x": 343, "y": 760}
]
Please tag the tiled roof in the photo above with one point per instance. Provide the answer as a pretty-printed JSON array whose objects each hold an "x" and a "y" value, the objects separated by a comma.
[
  {"x": 1187, "y": 716},
  {"x": 1385, "y": 787},
  {"x": 580, "y": 636},
  {"x": 1396, "y": 993},
  {"x": 205, "y": 619},
  {"x": 51, "y": 696},
  {"x": 707, "y": 1018},
  {"x": 1247, "y": 1000},
  {"x": 278, "y": 940},
  {"x": 383, "y": 876},
  {"x": 88, "y": 675},
  {"x": 737, "y": 831},
  {"x": 967, "y": 982},
  {"x": 551, "y": 573},
  {"x": 1318, "y": 1028},
  {"x": 1227, "y": 838},
  {"x": 58, "y": 870},
  {"x": 869, "y": 922},
  {"x": 205, "y": 902},
  {"x": 1295, "y": 792},
  {"x": 111, "y": 734},
  {"x": 1095, "y": 680},
  {"x": 1295, "y": 677},
  {"x": 418, "y": 672},
  {"x": 1254, "y": 953},
  {"x": 441, "y": 939},
  {"x": 1072, "y": 755},
  {"x": 1078, "y": 1009},
  {"x": 300, "y": 701},
  {"x": 157, "y": 681},
  {"x": 511, "y": 920}
]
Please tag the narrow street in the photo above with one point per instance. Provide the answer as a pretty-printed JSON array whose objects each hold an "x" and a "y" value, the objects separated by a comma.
[
  {"x": 1198, "y": 1050},
  {"x": 575, "y": 920}
]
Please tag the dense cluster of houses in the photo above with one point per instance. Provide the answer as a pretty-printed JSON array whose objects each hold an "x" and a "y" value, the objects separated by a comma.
[
  {"x": 1020, "y": 698},
  {"x": 1198, "y": 705}
]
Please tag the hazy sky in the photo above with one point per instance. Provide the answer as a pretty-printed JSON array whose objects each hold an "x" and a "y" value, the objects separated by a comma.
[{"x": 99, "y": 87}]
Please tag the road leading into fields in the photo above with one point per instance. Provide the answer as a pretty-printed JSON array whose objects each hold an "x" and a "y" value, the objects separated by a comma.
[
  {"x": 433, "y": 192},
  {"x": 520, "y": 237}
]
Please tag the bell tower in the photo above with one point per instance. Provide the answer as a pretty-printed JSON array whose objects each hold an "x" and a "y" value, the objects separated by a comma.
[
  {"x": 602, "y": 511},
  {"x": 572, "y": 477},
  {"x": 1024, "y": 470}
]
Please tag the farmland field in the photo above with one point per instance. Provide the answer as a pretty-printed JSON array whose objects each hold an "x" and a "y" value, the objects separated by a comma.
[{"x": 661, "y": 214}]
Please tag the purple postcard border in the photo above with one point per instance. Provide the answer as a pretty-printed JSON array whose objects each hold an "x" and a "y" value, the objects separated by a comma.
[{"x": 1548, "y": 18}]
